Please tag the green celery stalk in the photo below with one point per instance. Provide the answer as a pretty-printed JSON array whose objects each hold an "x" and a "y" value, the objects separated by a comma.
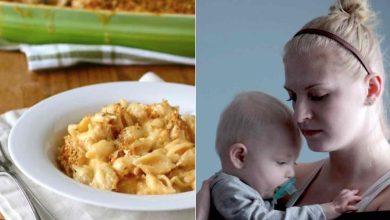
[{"x": 39, "y": 24}]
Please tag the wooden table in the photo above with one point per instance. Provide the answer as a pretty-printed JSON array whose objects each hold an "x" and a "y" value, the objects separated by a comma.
[{"x": 20, "y": 88}]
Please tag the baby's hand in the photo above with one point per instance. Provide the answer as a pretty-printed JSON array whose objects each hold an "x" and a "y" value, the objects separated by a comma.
[{"x": 346, "y": 201}]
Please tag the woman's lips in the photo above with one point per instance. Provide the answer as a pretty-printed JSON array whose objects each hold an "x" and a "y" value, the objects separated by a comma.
[{"x": 309, "y": 133}]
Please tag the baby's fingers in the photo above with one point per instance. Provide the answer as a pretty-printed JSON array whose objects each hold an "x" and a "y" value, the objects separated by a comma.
[
  {"x": 351, "y": 208},
  {"x": 348, "y": 195},
  {"x": 354, "y": 199},
  {"x": 344, "y": 191},
  {"x": 355, "y": 191}
]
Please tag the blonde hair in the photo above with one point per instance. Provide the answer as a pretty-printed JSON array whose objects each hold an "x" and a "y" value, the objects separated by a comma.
[
  {"x": 353, "y": 21},
  {"x": 246, "y": 117}
]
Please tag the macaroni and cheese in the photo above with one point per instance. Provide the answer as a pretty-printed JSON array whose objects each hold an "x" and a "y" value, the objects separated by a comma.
[{"x": 132, "y": 148}]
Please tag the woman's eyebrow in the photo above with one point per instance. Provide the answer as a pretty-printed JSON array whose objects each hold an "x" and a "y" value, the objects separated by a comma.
[
  {"x": 314, "y": 85},
  {"x": 306, "y": 88}
]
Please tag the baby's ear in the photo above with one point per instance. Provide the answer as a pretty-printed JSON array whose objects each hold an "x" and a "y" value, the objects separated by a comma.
[{"x": 237, "y": 154}]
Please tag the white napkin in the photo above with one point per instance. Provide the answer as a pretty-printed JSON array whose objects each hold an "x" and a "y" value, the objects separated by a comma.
[
  {"x": 14, "y": 206},
  {"x": 62, "y": 55}
]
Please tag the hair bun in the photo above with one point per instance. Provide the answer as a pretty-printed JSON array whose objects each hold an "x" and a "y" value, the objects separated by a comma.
[{"x": 358, "y": 10}]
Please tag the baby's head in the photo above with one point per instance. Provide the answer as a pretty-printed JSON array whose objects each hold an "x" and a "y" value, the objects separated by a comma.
[{"x": 258, "y": 141}]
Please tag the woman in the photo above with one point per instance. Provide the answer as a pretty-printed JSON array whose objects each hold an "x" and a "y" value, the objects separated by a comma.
[{"x": 335, "y": 78}]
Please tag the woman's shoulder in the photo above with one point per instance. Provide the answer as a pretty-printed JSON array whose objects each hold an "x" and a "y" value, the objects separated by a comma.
[
  {"x": 381, "y": 202},
  {"x": 381, "y": 193},
  {"x": 304, "y": 170}
]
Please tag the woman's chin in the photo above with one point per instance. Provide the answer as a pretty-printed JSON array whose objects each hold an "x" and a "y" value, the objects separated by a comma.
[{"x": 318, "y": 146}]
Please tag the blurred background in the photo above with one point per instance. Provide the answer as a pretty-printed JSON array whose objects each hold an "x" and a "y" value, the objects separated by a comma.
[{"x": 239, "y": 47}]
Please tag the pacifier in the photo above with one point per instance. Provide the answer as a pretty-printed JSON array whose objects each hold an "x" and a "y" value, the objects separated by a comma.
[{"x": 287, "y": 187}]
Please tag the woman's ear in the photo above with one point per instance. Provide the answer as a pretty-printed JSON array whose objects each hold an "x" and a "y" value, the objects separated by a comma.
[
  {"x": 374, "y": 88},
  {"x": 237, "y": 154}
]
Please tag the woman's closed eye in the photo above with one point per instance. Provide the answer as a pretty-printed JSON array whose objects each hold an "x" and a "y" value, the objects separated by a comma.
[
  {"x": 311, "y": 97},
  {"x": 281, "y": 162},
  {"x": 292, "y": 98},
  {"x": 318, "y": 97},
  {"x": 291, "y": 95}
]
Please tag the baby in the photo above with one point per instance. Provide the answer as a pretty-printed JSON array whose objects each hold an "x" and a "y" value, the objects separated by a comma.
[{"x": 258, "y": 144}]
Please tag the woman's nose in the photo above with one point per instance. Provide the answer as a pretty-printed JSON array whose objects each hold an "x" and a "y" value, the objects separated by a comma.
[{"x": 301, "y": 112}]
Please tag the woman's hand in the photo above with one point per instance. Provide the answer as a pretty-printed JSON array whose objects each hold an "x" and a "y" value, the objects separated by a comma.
[{"x": 203, "y": 201}]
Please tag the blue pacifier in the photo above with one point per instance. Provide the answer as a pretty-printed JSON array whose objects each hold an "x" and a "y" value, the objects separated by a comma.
[{"x": 287, "y": 187}]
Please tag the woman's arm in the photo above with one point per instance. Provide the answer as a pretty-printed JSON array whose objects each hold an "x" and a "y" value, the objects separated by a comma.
[{"x": 203, "y": 201}]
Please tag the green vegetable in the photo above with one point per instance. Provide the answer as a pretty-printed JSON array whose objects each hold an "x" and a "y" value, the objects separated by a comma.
[{"x": 39, "y": 24}]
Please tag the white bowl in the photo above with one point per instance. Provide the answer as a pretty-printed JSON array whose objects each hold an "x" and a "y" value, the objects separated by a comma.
[{"x": 34, "y": 140}]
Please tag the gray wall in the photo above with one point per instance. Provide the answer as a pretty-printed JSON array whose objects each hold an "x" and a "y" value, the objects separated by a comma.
[{"x": 239, "y": 47}]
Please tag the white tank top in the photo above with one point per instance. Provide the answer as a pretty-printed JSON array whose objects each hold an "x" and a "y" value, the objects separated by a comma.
[{"x": 367, "y": 196}]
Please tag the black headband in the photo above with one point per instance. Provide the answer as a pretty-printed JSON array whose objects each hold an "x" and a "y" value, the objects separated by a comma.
[{"x": 339, "y": 40}]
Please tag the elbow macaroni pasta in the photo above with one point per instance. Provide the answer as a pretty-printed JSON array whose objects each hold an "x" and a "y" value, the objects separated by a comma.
[{"x": 132, "y": 148}]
